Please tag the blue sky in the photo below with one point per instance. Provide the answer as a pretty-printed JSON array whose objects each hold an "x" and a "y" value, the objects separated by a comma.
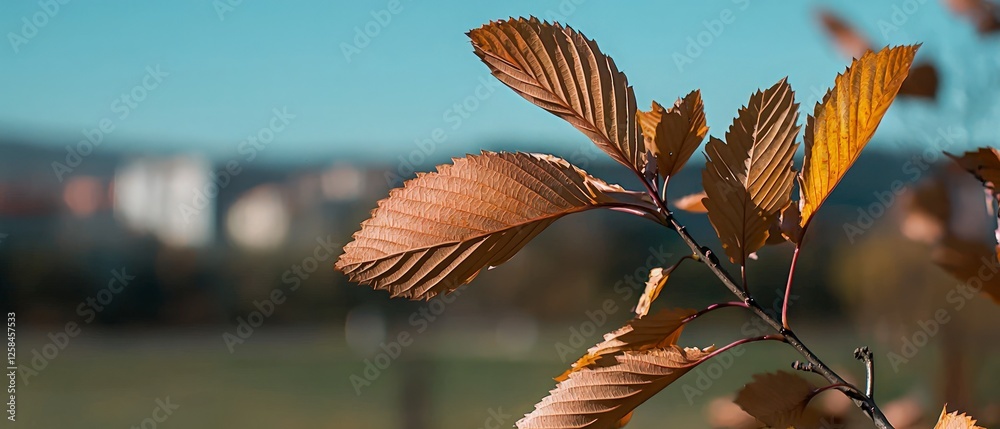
[{"x": 225, "y": 76}]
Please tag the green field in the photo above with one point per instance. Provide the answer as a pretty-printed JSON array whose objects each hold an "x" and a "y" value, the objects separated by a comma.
[{"x": 291, "y": 379}]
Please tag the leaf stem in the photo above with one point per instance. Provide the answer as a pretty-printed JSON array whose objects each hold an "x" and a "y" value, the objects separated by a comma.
[
  {"x": 743, "y": 276},
  {"x": 713, "y": 307},
  {"x": 788, "y": 286},
  {"x": 846, "y": 386},
  {"x": 865, "y": 403},
  {"x": 723, "y": 349}
]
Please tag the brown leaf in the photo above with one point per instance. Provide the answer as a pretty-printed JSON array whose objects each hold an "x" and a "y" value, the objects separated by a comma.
[
  {"x": 672, "y": 135},
  {"x": 846, "y": 119},
  {"x": 562, "y": 71},
  {"x": 922, "y": 82},
  {"x": 983, "y": 163},
  {"x": 777, "y": 400},
  {"x": 954, "y": 420},
  {"x": 656, "y": 331},
  {"x": 982, "y": 14},
  {"x": 790, "y": 227},
  {"x": 749, "y": 178},
  {"x": 693, "y": 203},
  {"x": 441, "y": 229},
  {"x": 850, "y": 42},
  {"x": 972, "y": 263},
  {"x": 598, "y": 397},
  {"x": 657, "y": 279}
]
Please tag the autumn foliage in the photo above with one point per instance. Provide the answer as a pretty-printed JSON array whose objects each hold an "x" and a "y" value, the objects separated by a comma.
[{"x": 441, "y": 229}]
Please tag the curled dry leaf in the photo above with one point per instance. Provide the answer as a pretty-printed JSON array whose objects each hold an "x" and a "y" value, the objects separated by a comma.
[
  {"x": 672, "y": 135},
  {"x": 954, "y": 420},
  {"x": 777, "y": 400},
  {"x": 693, "y": 203},
  {"x": 846, "y": 119},
  {"x": 657, "y": 279},
  {"x": 749, "y": 178},
  {"x": 656, "y": 331},
  {"x": 983, "y": 163},
  {"x": 441, "y": 229},
  {"x": 599, "y": 396},
  {"x": 565, "y": 73}
]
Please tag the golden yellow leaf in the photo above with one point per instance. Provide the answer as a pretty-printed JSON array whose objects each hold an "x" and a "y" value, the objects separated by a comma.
[
  {"x": 983, "y": 163},
  {"x": 672, "y": 135},
  {"x": 846, "y": 119},
  {"x": 777, "y": 400},
  {"x": 657, "y": 278},
  {"x": 749, "y": 178},
  {"x": 441, "y": 229},
  {"x": 693, "y": 203},
  {"x": 656, "y": 331},
  {"x": 599, "y": 397},
  {"x": 565, "y": 73},
  {"x": 954, "y": 420}
]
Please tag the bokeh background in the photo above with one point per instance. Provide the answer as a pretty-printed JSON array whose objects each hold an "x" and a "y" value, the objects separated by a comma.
[{"x": 177, "y": 179}]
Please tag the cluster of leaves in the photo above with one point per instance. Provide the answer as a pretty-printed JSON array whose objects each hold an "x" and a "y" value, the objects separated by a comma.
[{"x": 443, "y": 228}]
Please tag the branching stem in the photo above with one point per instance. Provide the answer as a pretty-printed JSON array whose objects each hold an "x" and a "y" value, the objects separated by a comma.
[{"x": 864, "y": 402}]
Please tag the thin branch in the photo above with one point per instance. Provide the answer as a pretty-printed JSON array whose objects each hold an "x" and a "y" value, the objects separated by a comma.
[
  {"x": 866, "y": 404},
  {"x": 844, "y": 387},
  {"x": 788, "y": 286},
  {"x": 865, "y": 355},
  {"x": 713, "y": 307},
  {"x": 723, "y": 349},
  {"x": 712, "y": 262}
]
